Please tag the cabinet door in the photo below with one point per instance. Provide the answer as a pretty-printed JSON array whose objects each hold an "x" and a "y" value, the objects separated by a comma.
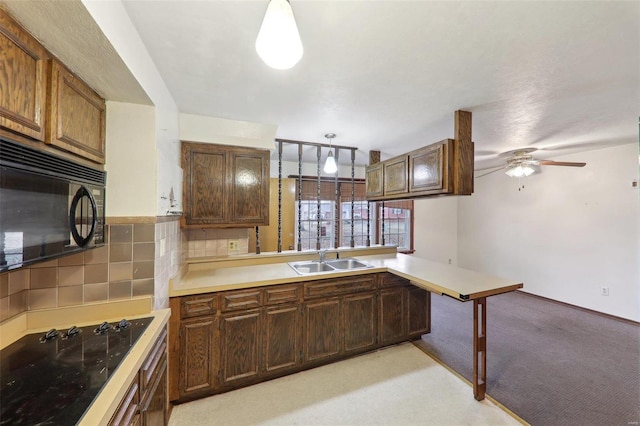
[
  {"x": 240, "y": 344},
  {"x": 359, "y": 322},
  {"x": 23, "y": 80},
  {"x": 224, "y": 186},
  {"x": 249, "y": 196},
  {"x": 419, "y": 302},
  {"x": 429, "y": 169},
  {"x": 282, "y": 336},
  {"x": 322, "y": 330},
  {"x": 77, "y": 116},
  {"x": 205, "y": 187},
  {"x": 374, "y": 180},
  {"x": 395, "y": 176},
  {"x": 392, "y": 317},
  {"x": 197, "y": 356}
]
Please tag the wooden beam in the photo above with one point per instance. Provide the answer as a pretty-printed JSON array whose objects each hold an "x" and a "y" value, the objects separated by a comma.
[
  {"x": 463, "y": 154},
  {"x": 374, "y": 157}
]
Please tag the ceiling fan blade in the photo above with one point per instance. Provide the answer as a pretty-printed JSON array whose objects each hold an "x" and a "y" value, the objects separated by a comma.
[
  {"x": 488, "y": 173},
  {"x": 561, "y": 163}
]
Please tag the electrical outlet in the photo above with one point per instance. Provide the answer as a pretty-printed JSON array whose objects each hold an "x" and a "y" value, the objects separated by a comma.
[
  {"x": 604, "y": 291},
  {"x": 233, "y": 244}
]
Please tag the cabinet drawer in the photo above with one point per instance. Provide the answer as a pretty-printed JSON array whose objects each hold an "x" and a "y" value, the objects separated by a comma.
[
  {"x": 194, "y": 306},
  {"x": 390, "y": 280},
  {"x": 282, "y": 294},
  {"x": 338, "y": 286},
  {"x": 241, "y": 299},
  {"x": 128, "y": 411},
  {"x": 149, "y": 369}
]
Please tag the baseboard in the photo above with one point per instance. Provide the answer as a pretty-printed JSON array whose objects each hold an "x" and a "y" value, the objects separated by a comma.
[{"x": 580, "y": 308}]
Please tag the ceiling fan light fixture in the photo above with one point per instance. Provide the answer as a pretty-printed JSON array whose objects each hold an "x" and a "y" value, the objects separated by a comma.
[
  {"x": 519, "y": 170},
  {"x": 278, "y": 43},
  {"x": 330, "y": 165}
]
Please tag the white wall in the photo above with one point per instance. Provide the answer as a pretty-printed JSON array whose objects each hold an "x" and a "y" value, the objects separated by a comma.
[
  {"x": 436, "y": 229},
  {"x": 131, "y": 160},
  {"x": 114, "y": 22},
  {"x": 199, "y": 128},
  {"x": 568, "y": 233}
]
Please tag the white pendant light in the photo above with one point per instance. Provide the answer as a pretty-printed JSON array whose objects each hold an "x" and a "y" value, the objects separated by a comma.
[
  {"x": 278, "y": 43},
  {"x": 330, "y": 165}
]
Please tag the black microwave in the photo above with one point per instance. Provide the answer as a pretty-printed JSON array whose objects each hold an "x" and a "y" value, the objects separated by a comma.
[{"x": 49, "y": 206}]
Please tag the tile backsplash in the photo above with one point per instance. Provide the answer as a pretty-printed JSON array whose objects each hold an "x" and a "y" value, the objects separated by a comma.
[
  {"x": 138, "y": 260},
  {"x": 215, "y": 242}
]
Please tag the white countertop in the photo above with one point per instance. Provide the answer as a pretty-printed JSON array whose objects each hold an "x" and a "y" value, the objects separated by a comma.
[{"x": 459, "y": 283}]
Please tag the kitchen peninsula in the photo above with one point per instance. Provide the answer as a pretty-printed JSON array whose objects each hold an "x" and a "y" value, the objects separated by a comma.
[{"x": 254, "y": 318}]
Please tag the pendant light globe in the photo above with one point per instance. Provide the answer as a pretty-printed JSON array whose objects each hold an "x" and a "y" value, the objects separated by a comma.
[
  {"x": 278, "y": 43},
  {"x": 330, "y": 165}
]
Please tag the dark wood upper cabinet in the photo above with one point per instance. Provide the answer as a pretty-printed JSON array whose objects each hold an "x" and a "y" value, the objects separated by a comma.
[
  {"x": 225, "y": 186},
  {"x": 42, "y": 101},
  {"x": 429, "y": 169},
  {"x": 395, "y": 175},
  {"x": 76, "y": 115},
  {"x": 442, "y": 168},
  {"x": 373, "y": 181},
  {"x": 23, "y": 80}
]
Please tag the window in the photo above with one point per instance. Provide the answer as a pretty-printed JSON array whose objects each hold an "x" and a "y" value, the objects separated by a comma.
[
  {"x": 398, "y": 218},
  {"x": 309, "y": 224},
  {"x": 358, "y": 225},
  {"x": 397, "y": 227}
]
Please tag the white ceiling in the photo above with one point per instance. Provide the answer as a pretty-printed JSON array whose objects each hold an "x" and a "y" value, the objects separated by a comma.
[{"x": 388, "y": 75}]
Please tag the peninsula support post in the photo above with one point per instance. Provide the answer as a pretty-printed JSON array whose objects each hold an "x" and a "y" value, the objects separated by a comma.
[{"x": 479, "y": 347}]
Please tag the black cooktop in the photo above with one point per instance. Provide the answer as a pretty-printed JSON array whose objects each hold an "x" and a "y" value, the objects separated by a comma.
[{"x": 53, "y": 381}]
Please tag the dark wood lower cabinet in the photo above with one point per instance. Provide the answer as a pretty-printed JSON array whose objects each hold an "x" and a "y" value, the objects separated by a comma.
[
  {"x": 240, "y": 346},
  {"x": 197, "y": 356},
  {"x": 359, "y": 313},
  {"x": 282, "y": 338},
  {"x": 145, "y": 402},
  {"x": 278, "y": 330},
  {"x": 392, "y": 317},
  {"x": 322, "y": 330},
  {"x": 153, "y": 410},
  {"x": 419, "y": 312}
]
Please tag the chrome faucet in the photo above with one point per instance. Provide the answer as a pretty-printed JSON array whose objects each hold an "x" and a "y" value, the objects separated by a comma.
[{"x": 322, "y": 254}]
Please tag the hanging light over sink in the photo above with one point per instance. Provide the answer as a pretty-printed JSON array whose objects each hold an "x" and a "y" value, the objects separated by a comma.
[{"x": 330, "y": 165}]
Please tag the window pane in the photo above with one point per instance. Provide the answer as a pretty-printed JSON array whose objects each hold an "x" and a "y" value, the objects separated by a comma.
[
  {"x": 359, "y": 224},
  {"x": 309, "y": 224},
  {"x": 397, "y": 227}
]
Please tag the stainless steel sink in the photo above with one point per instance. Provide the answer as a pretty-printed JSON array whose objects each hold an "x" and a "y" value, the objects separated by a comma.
[
  {"x": 316, "y": 267},
  {"x": 347, "y": 264},
  {"x": 310, "y": 267}
]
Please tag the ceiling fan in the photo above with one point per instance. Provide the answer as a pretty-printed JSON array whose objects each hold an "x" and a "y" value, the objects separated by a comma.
[{"x": 520, "y": 163}]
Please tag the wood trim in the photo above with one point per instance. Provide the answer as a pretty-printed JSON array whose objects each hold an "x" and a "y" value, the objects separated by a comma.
[
  {"x": 126, "y": 220},
  {"x": 326, "y": 179}
]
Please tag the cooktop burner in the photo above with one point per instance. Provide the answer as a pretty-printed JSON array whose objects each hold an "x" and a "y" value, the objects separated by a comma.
[{"x": 52, "y": 378}]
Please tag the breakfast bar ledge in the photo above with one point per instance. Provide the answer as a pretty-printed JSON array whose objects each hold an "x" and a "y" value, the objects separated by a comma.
[{"x": 461, "y": 284}]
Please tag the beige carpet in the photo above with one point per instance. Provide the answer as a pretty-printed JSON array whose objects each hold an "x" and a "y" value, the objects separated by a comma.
[{"x": 399, "y": 385}]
